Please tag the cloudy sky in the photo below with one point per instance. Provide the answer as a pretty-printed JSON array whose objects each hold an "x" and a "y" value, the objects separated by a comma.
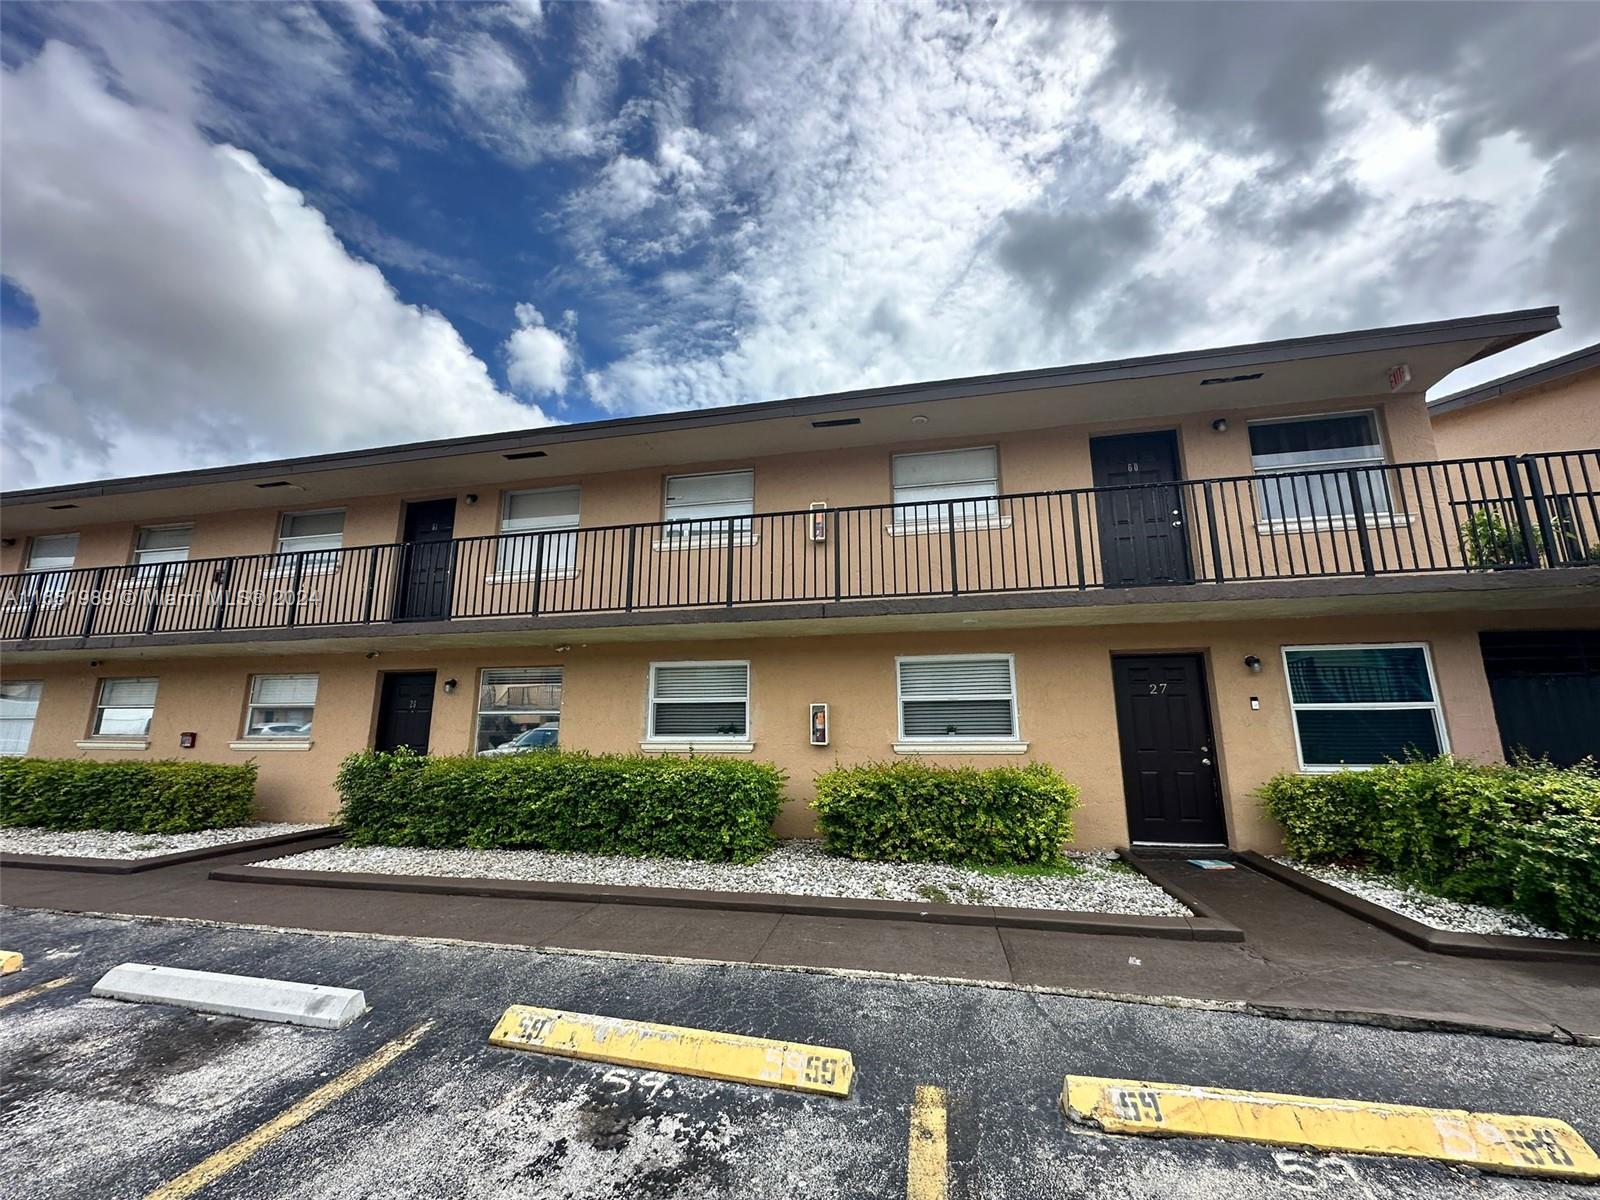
[{"x": 230, "y": 231}]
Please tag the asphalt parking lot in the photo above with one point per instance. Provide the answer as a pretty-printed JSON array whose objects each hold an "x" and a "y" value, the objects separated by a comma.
[{"x": 106, "y": 1099}]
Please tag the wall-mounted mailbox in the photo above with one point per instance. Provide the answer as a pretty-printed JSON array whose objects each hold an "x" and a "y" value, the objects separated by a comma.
[
  {"x": 186, "y": 741},
  {"x": 819, "y": 521},
  {"x": 819, "y": 724}
]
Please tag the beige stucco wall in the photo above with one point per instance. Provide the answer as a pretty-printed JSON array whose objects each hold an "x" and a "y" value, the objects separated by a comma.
[
  {"x": 1563, "y": 415},
  {"x": 1064, "y": 686},
  {"x": 1032, "y": 461}
]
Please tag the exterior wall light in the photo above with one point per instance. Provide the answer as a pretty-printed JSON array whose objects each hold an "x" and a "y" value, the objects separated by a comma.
[
  {"x": 449, "y": 686},
  {"x": 1253, "y": 663},
  {"x": 1220, "y": 425}
]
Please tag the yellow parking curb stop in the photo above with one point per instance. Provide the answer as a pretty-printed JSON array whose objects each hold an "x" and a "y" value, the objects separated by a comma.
[
  {"x": 10, "y": 962},
  {"x": 703, "y": 1052},
  {"x": 1513, "y": 1145}
]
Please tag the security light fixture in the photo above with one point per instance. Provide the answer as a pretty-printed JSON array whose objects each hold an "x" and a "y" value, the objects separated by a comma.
[
  {"x": 523, "y": 454},
  {"x": 1220, "y": 425},
  {"x": 449, "y": 686},
  {"x": 1230, "y": 379},
  {"x": 1253, "y": 663},
  {"x": 472, "y": 498},
  {"x": 837, "y": 421}
]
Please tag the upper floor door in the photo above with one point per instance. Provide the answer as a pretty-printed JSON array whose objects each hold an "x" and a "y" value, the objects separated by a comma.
[
  {"x": 1140, "y": 520},
  {"x": 427, "y": 561}
]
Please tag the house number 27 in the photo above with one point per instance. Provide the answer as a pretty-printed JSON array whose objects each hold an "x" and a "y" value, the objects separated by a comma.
[{"x": 1158, "y": 689}]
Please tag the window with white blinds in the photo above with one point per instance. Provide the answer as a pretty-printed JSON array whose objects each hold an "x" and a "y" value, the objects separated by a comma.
[
  {"x": 702, "y": 701},
  {"x": 52, "y": 552},
  {"x": 709, "y": 506},
  {"x": 964, "y": 697},
  {"x": 312, "y": 531},
  {"x": 162, "y": 544},
  {"x": 124, "y": 708},
  {"x": 281, "y": 706},
  {"x": 19, "y": 704},
  {"x": 525, "y": 515},
  {"x": 519, "y": 707},
  {"x": 970, "y": 476}
]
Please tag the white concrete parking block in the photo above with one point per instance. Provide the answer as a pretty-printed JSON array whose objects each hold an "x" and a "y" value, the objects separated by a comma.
[{"x": 234, "y": 995}]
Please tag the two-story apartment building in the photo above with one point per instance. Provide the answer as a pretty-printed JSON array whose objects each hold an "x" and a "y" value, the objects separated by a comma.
[{"x": 1171, "y": 577}]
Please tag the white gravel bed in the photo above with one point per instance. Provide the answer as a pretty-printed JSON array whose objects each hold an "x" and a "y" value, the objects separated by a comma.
[
  {"x": 1433, "y": 911},
  {"x": 1091, "y": 882},
  {"x": 100, "y": 843}
]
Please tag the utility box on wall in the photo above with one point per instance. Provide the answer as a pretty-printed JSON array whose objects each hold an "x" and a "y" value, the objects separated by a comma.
[{"x": 819, "y": 724}]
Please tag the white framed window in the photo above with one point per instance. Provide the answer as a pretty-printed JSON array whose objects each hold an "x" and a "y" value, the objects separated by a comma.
[
  {"x": 1331, "y": 444},
  {"x": 957, "y": 698},
  {"x": 519, "y": 708},
  {"x": 524, "y": 516},
  {"x": 281, "y": 706},
  {"x": 700, "y": 702},
  {"x": 52, "y": 552},
  {"x": 319, "y": 535},
  {"x": 162, "y": 544},
  {"x": 1361, "y": 705},
  {"x": 706, "y": 509},
  {"x": 19, "y": 704},
  {"x": 50, "y": 558},
  {"x": 124, "y": 708},
  {"x": 930, "y": 481}
]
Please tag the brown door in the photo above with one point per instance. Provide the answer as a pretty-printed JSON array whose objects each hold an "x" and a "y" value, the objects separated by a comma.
[
  {"x": 1139, "y": 518},
  {"x": 427, "y": 562},
  {"x": 405, "y": 711},
  {"x": 1169, "y": 773}
]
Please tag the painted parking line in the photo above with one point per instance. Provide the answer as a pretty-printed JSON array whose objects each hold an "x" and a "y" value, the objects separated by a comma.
[
  {"x": 10, "y": 962},
  {"x": 707, "y": 1053},
  {"x": 49, "y": 985},
  {"x": 1498, "y": 1142},
  {"x": 211, "y": 1169},
  {"x": 927, "y": 1157}
]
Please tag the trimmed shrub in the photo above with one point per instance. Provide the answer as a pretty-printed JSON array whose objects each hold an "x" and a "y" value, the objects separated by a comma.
[
  {"x": 669, "y": 807},
  {"x": 165, "y": 796},
  {"x": 1524, "y": 837},
  {"x": 913, "y": 812}
]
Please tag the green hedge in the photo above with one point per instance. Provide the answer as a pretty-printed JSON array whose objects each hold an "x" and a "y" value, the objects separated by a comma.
[
  {"x": 913, "y": 812},
  {"x": 137, "y": 797},
  {"x": 711, "y": 808},
  {"x": 1524, "y": 838}
]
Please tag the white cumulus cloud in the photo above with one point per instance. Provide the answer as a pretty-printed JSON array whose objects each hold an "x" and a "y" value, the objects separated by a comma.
[
  {"x": 192, "y": 307},
  {"x": 538, "y": 358}
]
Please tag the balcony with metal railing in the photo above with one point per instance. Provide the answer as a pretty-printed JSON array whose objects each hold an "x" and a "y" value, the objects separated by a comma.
[{"x": 1458, "y": 515}]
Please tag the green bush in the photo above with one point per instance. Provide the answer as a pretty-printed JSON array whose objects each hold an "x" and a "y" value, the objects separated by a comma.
[
  {"x": 1524, "y": 837},
  {"x": 711, "y": 808},
  {"x": 913, "y": 812},
  {"x": 165, "y": 796}
]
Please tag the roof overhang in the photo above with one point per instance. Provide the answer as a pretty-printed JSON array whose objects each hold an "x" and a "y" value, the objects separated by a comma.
[
  {"x": 1579, "y": 361},
  {"x": 1327, "y": 367}
]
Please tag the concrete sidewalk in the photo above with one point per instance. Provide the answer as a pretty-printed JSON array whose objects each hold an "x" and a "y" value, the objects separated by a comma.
[{"x": 1300, "y": 956}]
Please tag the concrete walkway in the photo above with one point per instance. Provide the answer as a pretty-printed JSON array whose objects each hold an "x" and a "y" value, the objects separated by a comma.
[{"x": 1299, "y": 956}]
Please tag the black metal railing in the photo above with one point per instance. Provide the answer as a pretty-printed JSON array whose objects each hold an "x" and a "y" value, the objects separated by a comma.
[{"x": 1495, "y": 513}]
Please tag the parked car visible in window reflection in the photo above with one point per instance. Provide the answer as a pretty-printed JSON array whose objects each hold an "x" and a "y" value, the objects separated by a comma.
[{"x": 542, "y": 737}]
